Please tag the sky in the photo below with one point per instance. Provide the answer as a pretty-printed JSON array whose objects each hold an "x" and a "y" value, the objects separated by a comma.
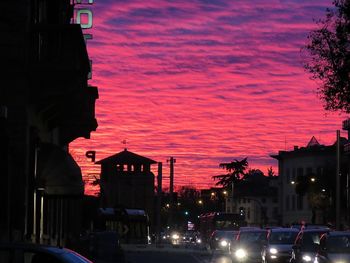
[{"x": 205, "y": 82}]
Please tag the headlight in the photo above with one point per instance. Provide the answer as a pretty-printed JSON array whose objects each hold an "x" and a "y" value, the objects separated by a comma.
[
  {"x": 273, "y": 251},
  {"x": 199, "y": 241},
  {"x": 307, "y": 258},
  {"x": 240, "y": 253},
  {"x": 223, "y": 243},
  {"x": 175, "y": 236}
]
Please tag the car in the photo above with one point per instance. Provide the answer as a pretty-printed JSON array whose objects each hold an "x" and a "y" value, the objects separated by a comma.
[
  {"x": 248, "y": 245},
  {"x": 222, "y": 239},
  {"x": 34, "y": 253},
  {"x": 306, "y": 245},
  {"x": 334, "y": 247},
  {"x": 278, "y": 247}
]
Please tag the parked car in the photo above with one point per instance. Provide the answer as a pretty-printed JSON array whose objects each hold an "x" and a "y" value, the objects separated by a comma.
[
  {"x": 306, "y": 245},
  {"x": 334, "y": 247},
  {"x": 278, "y": 247},
  {"x": 222, "y": 239},
  {"x": 33, "y": 253},
  {"x": 248, "y": 245}
]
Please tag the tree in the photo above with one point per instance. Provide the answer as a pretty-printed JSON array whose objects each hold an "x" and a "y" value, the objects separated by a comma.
[
  {"x": 329, "y": 57},
  {"x": 270, "y": 172},
  {"x": 236, "y": 172}
]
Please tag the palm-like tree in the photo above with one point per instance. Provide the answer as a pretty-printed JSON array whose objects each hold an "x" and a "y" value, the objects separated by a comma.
[{"x": 236, "y": 172}]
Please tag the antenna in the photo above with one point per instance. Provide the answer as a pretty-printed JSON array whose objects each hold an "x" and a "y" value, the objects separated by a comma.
[{"x": 285, "y": 142}]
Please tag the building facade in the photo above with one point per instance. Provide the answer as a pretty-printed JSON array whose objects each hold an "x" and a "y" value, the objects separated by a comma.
[
  {"x": 257, "y": 200},
  {"x": 315, "y": 163},
  {"x": 126, "y": 181},
  {"x": 45, "y": 103}
]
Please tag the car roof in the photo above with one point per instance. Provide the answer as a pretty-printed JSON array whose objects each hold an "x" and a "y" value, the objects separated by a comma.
[
  {"x": 284, "y": 230},
  {"x": 315, "y": 230},
  {"x": 338, "y": 233},
  {"x": 257, "y": 230}
]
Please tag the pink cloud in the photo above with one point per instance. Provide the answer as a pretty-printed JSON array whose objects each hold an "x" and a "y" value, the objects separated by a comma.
[{"x": 205, "y": 82}]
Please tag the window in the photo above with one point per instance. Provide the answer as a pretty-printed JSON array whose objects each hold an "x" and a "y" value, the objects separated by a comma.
[
  {"x": 287, "y": 203},
  {"x": 287, "y": 176},
  {"x": 293, "y": 174},
  {"x": 263, "y": 200},
  {"x": 308, "y": 170},
  {"x": 248, "y": 213},
  {"x": 300, "y": 171},
  {"x": 300, "y": 202}
]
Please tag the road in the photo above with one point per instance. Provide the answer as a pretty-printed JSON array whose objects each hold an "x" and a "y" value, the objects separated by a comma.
[{"x": 175, "y": 256}]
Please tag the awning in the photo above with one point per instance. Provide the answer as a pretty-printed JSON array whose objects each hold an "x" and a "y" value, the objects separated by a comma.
[{"x": 58, "y": 173}]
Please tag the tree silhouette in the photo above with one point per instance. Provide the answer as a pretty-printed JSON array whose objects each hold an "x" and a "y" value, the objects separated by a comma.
[
  {"x": 236, "y": 172},
  {"x": 270, "y": 172},
  {"x": 328, "y": 58}
]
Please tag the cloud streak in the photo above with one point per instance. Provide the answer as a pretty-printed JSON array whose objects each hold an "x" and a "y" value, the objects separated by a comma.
[{"x": 205, "y": 82}]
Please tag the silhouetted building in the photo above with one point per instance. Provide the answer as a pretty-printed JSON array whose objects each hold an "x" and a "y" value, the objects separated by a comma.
[
  {"x": 307, "y": 183},
  {"x": 127, "y": 182},
  {"x": 257, "y": 198},
  {"x": 46, "y": 103}
]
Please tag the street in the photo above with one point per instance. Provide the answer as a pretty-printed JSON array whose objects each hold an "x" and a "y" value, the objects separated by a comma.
[{"x": 176, "y": 256}]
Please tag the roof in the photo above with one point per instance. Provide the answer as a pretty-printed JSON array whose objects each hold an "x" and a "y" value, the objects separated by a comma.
[
  {"x": 312, "y": 148},
  {"x": 313, "y": 142},
  {"x": 126, "y": 157}
]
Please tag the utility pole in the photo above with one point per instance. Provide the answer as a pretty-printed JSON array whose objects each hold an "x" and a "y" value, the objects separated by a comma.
[
  {"x": 159, "y": 202},
  {"x": 5, "y": 194},
  {"x": 337, "y": 191},
  {"x": 172, "y": 160}
]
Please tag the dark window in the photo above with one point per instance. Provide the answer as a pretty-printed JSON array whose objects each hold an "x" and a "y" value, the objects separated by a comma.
[
  {"x": 287, "y": 176},
  {"x": 293, "y": 174},
  {"x": 300, "y": 202},
  {"x": 300, "y": 172},
  {"x": 263, "y": 200},
  {"x": 293, "y": 202},
  {"x": 309, "y": 170},
  {"x": 287, "y": 203}
]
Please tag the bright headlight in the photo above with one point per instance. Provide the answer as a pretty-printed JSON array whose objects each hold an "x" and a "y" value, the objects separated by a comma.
[
  {"x": 240, "y": 253},
  {"x": 199, "y": 241},
  {"x": 175, "y": 236},
  {"x": 307, "y": 258},
  {"x": 223, "y": 243},
  {"x": 273, "y": 251}
]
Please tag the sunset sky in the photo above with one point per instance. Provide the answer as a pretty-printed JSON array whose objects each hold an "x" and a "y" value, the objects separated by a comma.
[{"x": 204, "y": 81}]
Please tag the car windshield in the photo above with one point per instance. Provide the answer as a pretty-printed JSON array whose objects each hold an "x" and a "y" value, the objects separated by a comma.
[
  {"x": 283, "y": 237},
  {"x": 225, "y": 234},
  {"x": 339, "y": 244},
  {"x": 311, "y": 240},
  {"x": 251, "y": 237}
]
